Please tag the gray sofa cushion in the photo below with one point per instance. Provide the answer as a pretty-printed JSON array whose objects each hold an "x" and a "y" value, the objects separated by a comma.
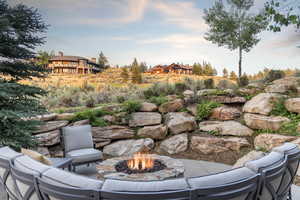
[
  {"x": 84, "y": 155},
  {"x": 144, "y": 186},
  {"x": 7, "y": 154},
  {"x": 287, "y": 148},
  {"x": 28, "y": 165},
  {"x": 271, "y": 159},
  {"x": 219, "y": 179},
  {"x": 77, "y": 137},
  {"x": 67, "y": 179}
]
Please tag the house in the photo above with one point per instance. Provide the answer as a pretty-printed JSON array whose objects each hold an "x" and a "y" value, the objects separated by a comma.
[
  {"x": 173, "y": 68},
  {"x": 73, "y": 64}
]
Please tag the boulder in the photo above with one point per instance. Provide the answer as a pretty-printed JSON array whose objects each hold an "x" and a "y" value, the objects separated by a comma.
[
  {"x": 148, "y": 107},
  {"x": 112, "y": 132},
  {"x": 155, "y": 132},
  {"x": 179, "y": 122},
  {"x": 226, "y": 99},
  {"x": 122, "y": 118},
  {"x": 225, "y": 113},
  {"x": 215, "y": 145},
  {"x": 188, "y": 93},
  {"x": 269, "y": 141},
  {"x": 111, "y": 108},
  {"x": 46, "y": 117},
  {"x": 192, "y": 109},
  {"x": 110, "y": 118},
  {"x": 101, "y": 142},
  {"x": 175, "y": 144},
  {"x": 293, "y": 105},
  {"x": 128, "y": 147},
  {"x": 65, "y": 116},
  {"x": 48, "y": 139},
  {"x": 171, "y": 106},
  {"x": 298, "y": 129},
  {"x": 283, "y": 85},
  {"x": 81, "y": 122},
  {"x": 225, "y": 128},
  {"x": 262, "y": 103},
  {"x": 252, "y": 155},
  {"x": 263, "y": 122},
  {"x": 51, "y": 126},
  {"x": 144, "y": 119},
  {"x": 171, "y": 97}
]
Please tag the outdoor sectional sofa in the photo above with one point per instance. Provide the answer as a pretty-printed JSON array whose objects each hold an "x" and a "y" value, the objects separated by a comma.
[{"x": 267, "y": 178}]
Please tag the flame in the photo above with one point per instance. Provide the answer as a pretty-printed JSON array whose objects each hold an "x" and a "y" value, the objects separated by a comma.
[{"x": 141, "y": 161}]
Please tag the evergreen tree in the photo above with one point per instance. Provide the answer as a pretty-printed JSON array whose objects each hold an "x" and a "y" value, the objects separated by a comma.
[
  {"x": 103, "y": 61},
  {"x": 136, "y": 72},
  {"x": 234, "y": 27},
  {"x": 225, "y": 73},
  {"x": 233, "y": 76},
  {"x": 196, "y": 69},
  {"x": 20, "y": 32},
  {"x": 135, "y": 64},
  {"x": 124, "y": 74},
  {"x": 143, "y": 67}
]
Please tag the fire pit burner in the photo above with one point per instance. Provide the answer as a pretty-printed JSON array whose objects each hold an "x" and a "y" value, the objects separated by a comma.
[
  {"x": 140, "y": 168},
  {"x": 123, "y": 167}
]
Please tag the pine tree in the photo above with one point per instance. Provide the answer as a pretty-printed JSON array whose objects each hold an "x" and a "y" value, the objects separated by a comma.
[
  {"x": 196, "y": 69},
  {"x": 20, "y": 32},
  {"x": 233, "y": 76},
  {"x": 136, "y": 72},
  {"x": 124, "y": 74},
  {"x": 225, "y": 73},
  {"x": 103, "y": 61},
  {"x": 143, "y": 67}
]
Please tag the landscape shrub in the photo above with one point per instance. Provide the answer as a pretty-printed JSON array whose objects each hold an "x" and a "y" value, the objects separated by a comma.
[
  {"x": 209, "y": 83},
  {"x": 204, "y": 109},
  {"x": 288, "y": 128},
  {"x": 159, "y": 89},
  {"x": 274, "y": 75},
  {"x": 180, "y": 87},
  {"x": 131, "y": 106},
  {"x": 158, "y": 100},
  {"x": 94, "y": 116},
  {"x": 226, "y": 84},
  {"x": 243, "y": 81},
  {"x": 193, "y": 84}
]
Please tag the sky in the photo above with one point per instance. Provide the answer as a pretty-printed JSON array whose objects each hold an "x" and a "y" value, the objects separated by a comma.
[{"x": 155, "y": 32}]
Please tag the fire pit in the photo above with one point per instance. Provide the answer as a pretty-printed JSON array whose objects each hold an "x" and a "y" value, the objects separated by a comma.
[{"x": 141, "y": 167}]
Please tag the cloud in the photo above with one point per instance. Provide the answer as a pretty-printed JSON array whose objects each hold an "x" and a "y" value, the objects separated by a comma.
[
  {"x": 130, "y": 11},
  {"x": 184, "y": 14},
  {"x": 92, "y": 12},
  {"x": 176, "y": 40}
]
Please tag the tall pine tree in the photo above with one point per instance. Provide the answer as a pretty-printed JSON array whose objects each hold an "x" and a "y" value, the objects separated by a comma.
[{"x": 20, "y": 33}]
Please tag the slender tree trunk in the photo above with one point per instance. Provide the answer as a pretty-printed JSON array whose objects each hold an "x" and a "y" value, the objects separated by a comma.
[{"x": 240, "y": 61}]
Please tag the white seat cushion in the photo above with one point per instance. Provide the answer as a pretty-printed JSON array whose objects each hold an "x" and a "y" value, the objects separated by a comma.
[{"x": 84, "y": 155}]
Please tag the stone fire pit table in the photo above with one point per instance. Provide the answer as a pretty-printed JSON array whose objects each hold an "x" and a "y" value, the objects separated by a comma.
[{"x": 174, "y": 169}]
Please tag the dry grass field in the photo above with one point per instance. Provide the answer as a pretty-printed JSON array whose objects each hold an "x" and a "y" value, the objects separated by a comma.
[{"x": 110, "y": 77}]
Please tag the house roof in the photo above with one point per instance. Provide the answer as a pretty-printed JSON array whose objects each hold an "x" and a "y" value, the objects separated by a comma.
[{"x": 70, "y": 58}]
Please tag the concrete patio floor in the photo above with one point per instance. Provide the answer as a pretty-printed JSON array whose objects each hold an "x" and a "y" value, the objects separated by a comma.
[{"x": 192, "y": 167}]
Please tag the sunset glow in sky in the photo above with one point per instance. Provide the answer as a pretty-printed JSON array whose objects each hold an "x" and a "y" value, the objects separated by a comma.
[{"x": 154, "y": 31}]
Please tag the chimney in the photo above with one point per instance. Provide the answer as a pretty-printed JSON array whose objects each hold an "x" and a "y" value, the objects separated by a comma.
[
  {"x": 94, "y": 60},
  {"x": 60, "y": 53}
]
